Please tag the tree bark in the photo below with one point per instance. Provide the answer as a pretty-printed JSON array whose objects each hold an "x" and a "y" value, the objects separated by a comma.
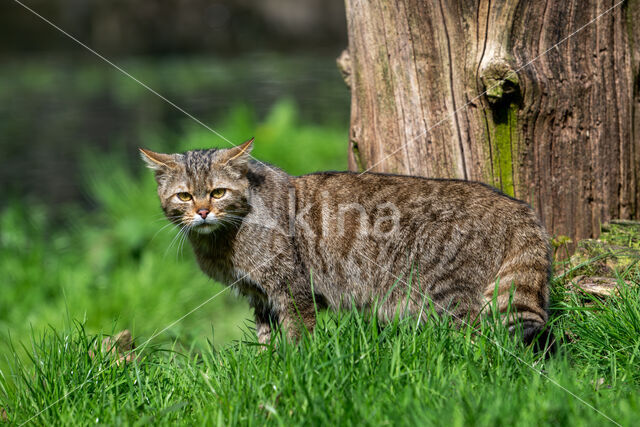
[{"x": 531, "y": 97}]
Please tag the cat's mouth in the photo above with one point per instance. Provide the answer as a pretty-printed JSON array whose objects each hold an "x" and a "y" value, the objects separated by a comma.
[{"x": 205, "y": 228}]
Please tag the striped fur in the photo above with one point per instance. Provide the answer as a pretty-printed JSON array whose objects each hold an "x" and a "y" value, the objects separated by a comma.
[{"x": 396, "y": 241}]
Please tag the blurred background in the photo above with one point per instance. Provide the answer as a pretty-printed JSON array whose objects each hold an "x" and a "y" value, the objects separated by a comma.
[{"x": 81, "y": 230}]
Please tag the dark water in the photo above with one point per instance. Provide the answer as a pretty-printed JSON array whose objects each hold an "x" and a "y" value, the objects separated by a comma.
[{"x": 54, "y": 111}]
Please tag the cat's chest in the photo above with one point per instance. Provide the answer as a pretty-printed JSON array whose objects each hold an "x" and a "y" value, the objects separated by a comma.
[
  {"x": 214, "y": 259},
  {"x": 223, "y": 261},
  {"x": 224, "y": 268}
]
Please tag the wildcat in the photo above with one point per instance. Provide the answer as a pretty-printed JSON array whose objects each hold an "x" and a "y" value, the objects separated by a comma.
[{"x": 333, "y": 239}]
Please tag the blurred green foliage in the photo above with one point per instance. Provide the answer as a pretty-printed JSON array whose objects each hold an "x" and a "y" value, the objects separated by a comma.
[
  {"x": 119, "y": 264},
  {"x": 54, "y": 110}
]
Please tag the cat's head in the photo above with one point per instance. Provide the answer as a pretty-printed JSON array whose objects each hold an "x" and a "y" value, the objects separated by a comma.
[{"x": 203, "y": 190}]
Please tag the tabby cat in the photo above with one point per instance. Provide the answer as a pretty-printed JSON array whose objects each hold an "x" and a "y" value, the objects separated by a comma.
[{"x": 338, "y": 238}]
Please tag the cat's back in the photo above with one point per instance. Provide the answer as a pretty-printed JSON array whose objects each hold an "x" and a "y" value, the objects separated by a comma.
[
  {"x": 387, "y": 208},
  {"x": 449, "y": 197}
]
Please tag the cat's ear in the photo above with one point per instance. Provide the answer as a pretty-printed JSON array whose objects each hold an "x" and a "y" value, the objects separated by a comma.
[
  {"x": 237, "y": 156},
  {"x": 158, "y": 161}
]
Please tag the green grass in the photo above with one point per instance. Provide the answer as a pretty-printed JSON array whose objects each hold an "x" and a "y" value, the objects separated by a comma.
[
  {"x": 115, "y": 267},
  {"x": 351, "y": 371}
]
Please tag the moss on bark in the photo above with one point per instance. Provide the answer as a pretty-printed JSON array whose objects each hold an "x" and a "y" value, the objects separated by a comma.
[{"x": 504, "y": 138}]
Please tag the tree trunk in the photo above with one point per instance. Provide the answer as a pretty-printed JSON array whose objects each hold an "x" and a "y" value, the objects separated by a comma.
[{"x": 481, "y": 90}]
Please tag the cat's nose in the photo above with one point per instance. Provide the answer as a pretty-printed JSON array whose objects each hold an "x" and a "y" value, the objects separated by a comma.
[{"x": 203, "y": 213}]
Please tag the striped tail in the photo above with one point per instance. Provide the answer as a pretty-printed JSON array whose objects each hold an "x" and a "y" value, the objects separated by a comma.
[{"x": 522, "y": 291}]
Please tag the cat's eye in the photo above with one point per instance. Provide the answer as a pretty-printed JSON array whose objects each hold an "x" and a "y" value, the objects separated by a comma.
[
  {"x": 218, "y": 193},
  {"x": 185, "y": 197}
]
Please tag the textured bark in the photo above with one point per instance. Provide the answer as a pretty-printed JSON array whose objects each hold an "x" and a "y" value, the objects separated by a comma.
[{"x": 558, "y": 127}]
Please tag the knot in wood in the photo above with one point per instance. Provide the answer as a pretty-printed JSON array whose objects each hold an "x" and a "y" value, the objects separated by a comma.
[
  {"x": 499, "y": 80},
  {"x": 344, "y": 65}
]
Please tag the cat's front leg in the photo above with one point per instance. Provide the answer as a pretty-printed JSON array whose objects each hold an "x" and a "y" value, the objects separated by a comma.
[
  {"x": 295, "y": 313},
  {"x": 264, "y": 321},
  {"x": 263, "y": 330},
  {"x": 284, "y": 308}
]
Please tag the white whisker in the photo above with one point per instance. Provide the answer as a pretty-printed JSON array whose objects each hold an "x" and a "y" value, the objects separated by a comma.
[
  {"x": 176, "y": 238},
  {"x": 164, "y": 227},
  {"x": 182, "y": 240}
]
